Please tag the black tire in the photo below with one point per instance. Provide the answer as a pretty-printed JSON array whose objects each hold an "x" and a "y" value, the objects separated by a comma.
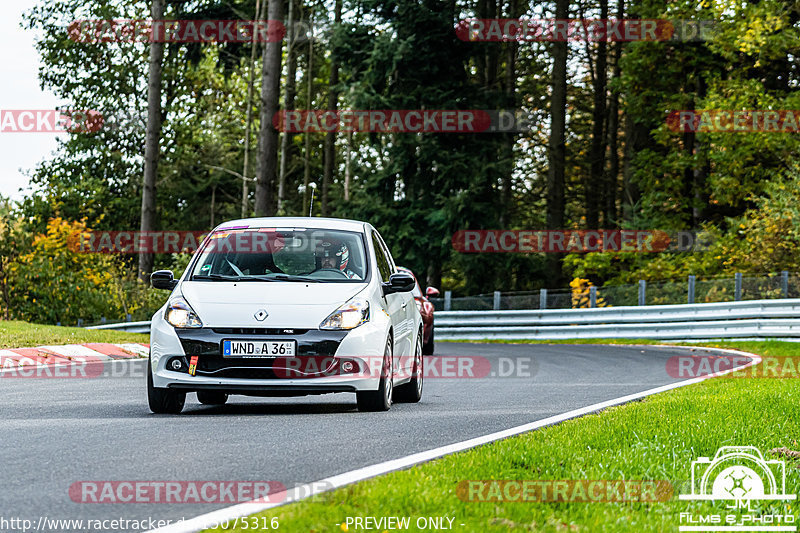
[
  {"x": 411, "y": 392},
  {"x": 163, "y": 401},
  {"x": 381, "y": 399},
  {"x": 427, "y": 348},
  {"x": 211, "y": 397}
]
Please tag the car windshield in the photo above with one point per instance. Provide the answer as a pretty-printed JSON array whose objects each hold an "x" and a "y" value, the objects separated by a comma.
[{"x": 274, "y": 254}]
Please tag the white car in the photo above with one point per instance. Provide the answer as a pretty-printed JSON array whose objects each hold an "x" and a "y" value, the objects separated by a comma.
[{"x": 287, "y": 307}]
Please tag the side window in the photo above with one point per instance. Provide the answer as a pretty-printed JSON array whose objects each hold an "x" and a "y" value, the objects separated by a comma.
[
  {"x": 389, "y": 258},
  {"x": 384, "y": 267}
]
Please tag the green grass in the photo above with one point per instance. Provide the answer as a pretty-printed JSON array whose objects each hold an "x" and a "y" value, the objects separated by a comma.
[
  {"x": 656, "y": 439},
  {"x": 16, "y": 334}
]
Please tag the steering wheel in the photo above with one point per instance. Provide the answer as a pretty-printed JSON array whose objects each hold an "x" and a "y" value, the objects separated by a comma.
[{"x": 336, "y": 270}]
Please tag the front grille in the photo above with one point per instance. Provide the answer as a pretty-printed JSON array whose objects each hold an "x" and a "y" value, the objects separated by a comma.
[{"x": 256, "y": 368}]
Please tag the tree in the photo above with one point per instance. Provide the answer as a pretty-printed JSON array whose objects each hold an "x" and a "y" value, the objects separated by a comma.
[
  {"x": 557, "y": 147},
  {"x": 267, "y": 171},
  {"x": 151, "y": 147},
  {"x": 333, "y": 100}
]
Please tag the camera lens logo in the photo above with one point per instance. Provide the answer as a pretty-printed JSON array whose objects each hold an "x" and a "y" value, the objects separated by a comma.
[{"x": 738, "y": 473}]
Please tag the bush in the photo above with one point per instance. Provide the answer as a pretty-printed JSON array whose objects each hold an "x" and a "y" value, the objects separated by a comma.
[{"x": 50, "y": 283}]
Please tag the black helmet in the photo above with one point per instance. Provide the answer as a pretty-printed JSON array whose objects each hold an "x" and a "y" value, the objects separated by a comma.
[{"x": 333, "y": 249}]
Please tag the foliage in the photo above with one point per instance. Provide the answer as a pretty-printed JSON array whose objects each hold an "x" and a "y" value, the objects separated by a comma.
[
  {"x": 51, "y": 283},
  {"x": 581, "y": 294},
  {"x": 419, "y": 189}
]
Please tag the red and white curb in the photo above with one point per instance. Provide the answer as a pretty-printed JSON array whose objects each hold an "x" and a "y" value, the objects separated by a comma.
[{"x": 69, "y": 354}]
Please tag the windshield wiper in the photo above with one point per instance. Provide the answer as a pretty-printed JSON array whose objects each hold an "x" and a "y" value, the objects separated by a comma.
[
  {"x": 220, "y": 277},
  {"x": 288, "y": 277}
]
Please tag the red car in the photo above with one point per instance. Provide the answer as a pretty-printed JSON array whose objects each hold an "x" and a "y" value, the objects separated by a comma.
[{"x": 426, "y": 310}]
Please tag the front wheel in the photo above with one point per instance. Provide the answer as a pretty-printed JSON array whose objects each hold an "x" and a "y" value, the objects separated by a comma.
[
  {"x": 411, "y": 392},
  {"x": 381, "y": 399},
  {"x": 163, "y": 401}
]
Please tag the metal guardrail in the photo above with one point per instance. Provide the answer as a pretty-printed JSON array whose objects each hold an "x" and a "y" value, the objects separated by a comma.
[
  {"x": 752, "y": 318},
  {"x": 133, "y": 327}
]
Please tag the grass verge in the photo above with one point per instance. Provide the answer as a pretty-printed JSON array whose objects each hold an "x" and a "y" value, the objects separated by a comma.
[
  {"x": 16, "y": 334},
  {"x": 654, "y": 439}
]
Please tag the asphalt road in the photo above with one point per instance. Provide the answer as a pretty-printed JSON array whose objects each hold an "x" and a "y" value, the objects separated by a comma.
[{"x": 56, "y": 432}]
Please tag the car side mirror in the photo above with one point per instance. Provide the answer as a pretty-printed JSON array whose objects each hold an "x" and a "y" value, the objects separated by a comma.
[
  {"x": 432, "y": 292},
  {"x": 399, "y": 282},
  {"x": 163, "y": 279}
]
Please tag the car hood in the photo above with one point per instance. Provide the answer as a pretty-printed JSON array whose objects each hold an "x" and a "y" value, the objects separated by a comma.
[{"x": 288, "y": 304}]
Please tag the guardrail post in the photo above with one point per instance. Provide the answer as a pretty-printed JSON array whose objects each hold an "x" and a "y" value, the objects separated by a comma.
[
  {"x": 102, "y": 320},
  {"x": 542, "y": 298},
  {"x": 642, "y": 289},
  {"x": 128, "y": 318},
  {"x": 447, "y": 299},
  {"x": 592, "y": 296},
  {"x": 785, "y": 283},
  {"x": 692, "y": 279},
  {"x": 80, "y": 322},
  {"x": 737, "y": 290},
  {"x": 496, "y": 302}
]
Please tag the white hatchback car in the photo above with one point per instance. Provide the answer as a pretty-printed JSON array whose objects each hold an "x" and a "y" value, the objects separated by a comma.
[{"x": 287, "y": 307}]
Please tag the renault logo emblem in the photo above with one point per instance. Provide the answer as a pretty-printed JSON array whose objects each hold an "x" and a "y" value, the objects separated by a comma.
[{"x": 261, "y": 315}]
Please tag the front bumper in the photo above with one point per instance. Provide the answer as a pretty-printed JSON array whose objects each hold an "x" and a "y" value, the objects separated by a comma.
[{"x": 316, "y": 368}]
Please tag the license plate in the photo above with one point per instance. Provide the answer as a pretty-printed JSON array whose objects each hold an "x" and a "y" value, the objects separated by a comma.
[{"x": 258, "y": 348}]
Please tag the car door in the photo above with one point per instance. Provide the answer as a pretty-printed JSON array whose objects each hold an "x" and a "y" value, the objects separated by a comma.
[
  {"x": 405, "y": 330},
  {"x": 395, "y": 303}
]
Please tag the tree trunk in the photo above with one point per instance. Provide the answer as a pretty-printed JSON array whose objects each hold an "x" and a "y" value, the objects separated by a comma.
[
  {"x": 246, "y": 164},
  {"x": 612, "y": 176},
  {"x": 268, "y": 137},
  {"x": 699, "y": 174},
  {"x": 151, "y": 147},
  {"x": 307, "y": 135},
  {"x": 511, "y": 138},
  {"x": 330, "y": 137},
  {"x": 347, "y": 163},
  {"x": 288, "y": 103},
  {"x": 492, "y": 49},
  {"x": 556, "y": 145},
  {"x": 595, "y": 191}
]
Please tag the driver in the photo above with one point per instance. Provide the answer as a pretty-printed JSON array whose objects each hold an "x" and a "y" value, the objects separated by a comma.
[{"x": 334, "y": 255}]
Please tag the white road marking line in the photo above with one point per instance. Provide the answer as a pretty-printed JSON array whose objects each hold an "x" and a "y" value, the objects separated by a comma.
[{"x": 214, "y": 518}]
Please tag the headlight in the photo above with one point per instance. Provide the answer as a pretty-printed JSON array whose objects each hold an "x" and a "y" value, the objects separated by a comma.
[
  {"x": 350, "y": 315},
  {"x": 181, "y": 315}
]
